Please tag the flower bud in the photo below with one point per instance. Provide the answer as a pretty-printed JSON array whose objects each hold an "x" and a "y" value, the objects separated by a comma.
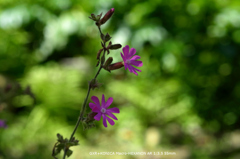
[
  {"x": 94, "y": 84},
  {"x": 99, "y": 53},
  {"x": 60, "y": 137},
  {"x": 107, "y": 63},
  {"x": 93, "y": 17},
  {"x": 115, "y": 47},
  {"x": 107, "y": 37},
  {"x": 90, "y": 117},
  {"x": 109, "y": 44},
  {"x": 115, "y": 66},
  {"x": 96, "y": 18},
  {"x": 107, "y": 16}
]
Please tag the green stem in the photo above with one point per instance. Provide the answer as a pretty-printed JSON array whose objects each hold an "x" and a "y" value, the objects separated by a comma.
[
  {"x": 84, "y": 103},
  {"x": 81, "y": 112},
  {"x": 100, "y": 30},
  {"x": 84, "y": 106}
]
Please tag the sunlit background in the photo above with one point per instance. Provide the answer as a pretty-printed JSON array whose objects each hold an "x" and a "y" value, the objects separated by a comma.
[{"x": 185, "y": 101}]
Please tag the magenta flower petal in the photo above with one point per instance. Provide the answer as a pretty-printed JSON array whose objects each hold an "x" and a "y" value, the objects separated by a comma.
[
  {"x": 130, "y": 60},
  {"x": 126, "y": 51},
  {"x": 132, "y": 69},
  {"x": 109, "y": 102},
  {"x": 111, "y": 122},
  {"x": 137, "y": 63},
  {"x": 123, "y": 57},
  {"x": 137, "y": 69},
  {"x": 132, "y": 52},
  {"x": 103, "y": 101},
  {"x": 91, "y": 105},
  {"x": 113, "y": 110},
  {"x": 95, "y": 100},
  {"x": 95, "y": 109},
  {"x": 102, "y": 110},
  {"x": 135, "y": 57},
  {"x": 124, "y": 61},
  {"x": 111, "y": 115},
  {"x": 125, "y": 65},
  {"x": 104, "y": 120},
  {"x": 98, "y": 116}
]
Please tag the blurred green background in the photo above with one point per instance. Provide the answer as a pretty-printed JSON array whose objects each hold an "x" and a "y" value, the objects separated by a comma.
[{"x": 185, "y": 101}]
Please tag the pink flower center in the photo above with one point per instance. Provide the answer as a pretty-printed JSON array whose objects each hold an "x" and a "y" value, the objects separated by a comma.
[
  {"x": 128, "y": 62},
  {"x": 103, "y": 110}
]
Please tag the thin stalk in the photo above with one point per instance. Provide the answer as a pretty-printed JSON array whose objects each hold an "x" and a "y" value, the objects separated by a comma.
[{"x": 85, "y": 101}]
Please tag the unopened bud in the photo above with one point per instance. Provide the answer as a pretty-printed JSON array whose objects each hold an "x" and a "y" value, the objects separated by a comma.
[
  {"x": 109, "y": 44},
  {"x": 115, "y": 46},
  {"x": 60, "y": 137},
  {"x": 96, "y": 18},
  {"x": 108, "y": 62},
  {"x": 94, "y": 84},
  {"x": 99, "y": 53},
  {"x": 107, "y": 16},
  {"x": 93, "y": 17},
  {"x": 91, "y": 117},
  {"x": 115, "y": 66},
  {"x": 107, "y": 37}
]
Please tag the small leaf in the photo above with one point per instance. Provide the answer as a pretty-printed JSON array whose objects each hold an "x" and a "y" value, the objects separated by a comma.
[
  {"x": 56, "y": 149},
  {"x": 107, "y": 37},
  {"x": 60, "y": 137},
  {"x": 69, "y": 153},
  {"x": 98, "y": 17}
]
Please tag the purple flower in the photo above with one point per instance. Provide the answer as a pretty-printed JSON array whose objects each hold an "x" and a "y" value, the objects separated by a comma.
[
  {"x": 3, "y": 124},
  {"x": 130, "y": 60},
  {"x": 102, "y": 110}
]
